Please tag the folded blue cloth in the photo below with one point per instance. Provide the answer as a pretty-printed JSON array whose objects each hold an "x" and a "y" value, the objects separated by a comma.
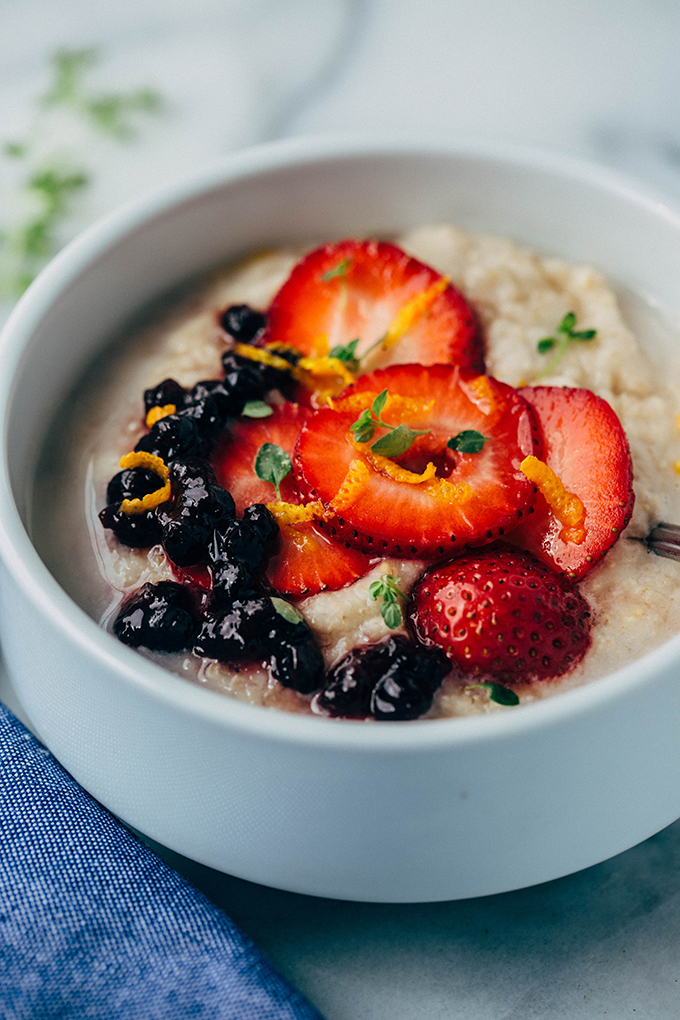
[{"x": 94, "y": 926}]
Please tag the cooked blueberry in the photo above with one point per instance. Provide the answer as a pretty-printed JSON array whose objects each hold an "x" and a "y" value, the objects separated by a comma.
[
  {"x": 132, "y": 483},
  {"x": 167, "y": 392},
  {"x": 298, "y": 666},
  {"x": 264, "y": 523},
  {"x": 209, "y": 415},
  {"x": 238, "y": 631},
  {"x": 190, "y": 518},
  {"x": 244, "y": 545},
  {"x": 139, "y": 531},
  {"x": 244, "y": 379},
  {"x": 243, "y": 323},
  {"x": 392, "y": 679},
  {"x": 349, "y": 684},
  {"x": 407, "y": 688},
  {"x": 175, "y": 437},
  {"x": 288, "y": 626},
  {"x": 221, "y": 396},
  {"x": 158, "y": 617},
  {"x": 251, "y": 380},
  {"x": 191, "y": 467},
  {"x": 252, "y": 626},
  {"x": 230, "y": 581}
]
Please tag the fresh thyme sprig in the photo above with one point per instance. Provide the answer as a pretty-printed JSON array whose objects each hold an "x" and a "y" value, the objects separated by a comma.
[
  {"x": 348, "y": 354},
  {"x": 387, "y": 589},
  {"x": 51, "y": 180},
  {"x": 559, "y": 343},
  {"x": 398, "y": 439}
]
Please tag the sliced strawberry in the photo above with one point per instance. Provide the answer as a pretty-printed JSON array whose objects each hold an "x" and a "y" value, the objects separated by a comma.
[
  {"x": 586, "y": 447},
  {"x": 358, "y": 289},
  {"x": 474, "y": 498},
  {"x": 234, "y": 458},
  {"x": 499, "y": 613},
  {"x": 307, "y": 561}
]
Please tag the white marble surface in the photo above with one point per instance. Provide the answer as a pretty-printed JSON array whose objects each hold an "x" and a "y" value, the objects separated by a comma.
[{"x": 596, "y": 77}]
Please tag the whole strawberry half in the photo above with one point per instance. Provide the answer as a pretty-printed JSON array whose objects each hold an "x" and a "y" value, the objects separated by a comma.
[
  {"x": 307, "y": 561},
  {"x": 355, "y": 290},
  {"x": 502, "y": 614},
  {"x": 586, "y": 446},
  {"x": 473, "y": 498}
]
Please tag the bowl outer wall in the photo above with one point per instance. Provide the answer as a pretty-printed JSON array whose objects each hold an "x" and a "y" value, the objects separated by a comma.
[{"x": 418, "y": 811}]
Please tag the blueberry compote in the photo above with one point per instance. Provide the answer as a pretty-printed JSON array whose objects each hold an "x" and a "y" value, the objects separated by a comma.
[{"x": 168, "y": 495}]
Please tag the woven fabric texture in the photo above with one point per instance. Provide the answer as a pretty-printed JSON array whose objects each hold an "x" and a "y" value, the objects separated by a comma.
[{"x": 94, "y": 926}]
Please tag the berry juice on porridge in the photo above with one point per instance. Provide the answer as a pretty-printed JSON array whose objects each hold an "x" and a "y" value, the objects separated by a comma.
[{"x": 375, "y": 481}]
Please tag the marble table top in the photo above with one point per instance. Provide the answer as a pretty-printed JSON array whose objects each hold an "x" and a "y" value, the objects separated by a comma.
[{"x": 593, "y": 77}]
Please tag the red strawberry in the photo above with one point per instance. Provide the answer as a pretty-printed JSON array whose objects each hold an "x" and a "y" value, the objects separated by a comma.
[
  {"x": 474, "y": 498},
  {"x": 308, "y": 561},
  {"x": 499, "y": 613},
  {"x": 234, "y": 458},
  {"x": 356, "y": 289},
  {"x": 586, "y": 447}
]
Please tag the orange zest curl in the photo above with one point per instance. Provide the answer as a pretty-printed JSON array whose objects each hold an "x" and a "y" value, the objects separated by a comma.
[
  {"x": 294, "y": 513},
  {"x": 324, "y": 376},
  {"x": 156, "y": 413},
  {"x": 389, "y": 468},
  {"x": 567, "y": 508},
  {"x": 152, "y": 499},
  {"x": 405, "y": 409},
  {"x": 412, "y": 312},
  {"x": 263, "y": 356}
]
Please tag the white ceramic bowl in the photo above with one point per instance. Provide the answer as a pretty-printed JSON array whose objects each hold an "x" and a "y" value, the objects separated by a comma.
[{"x": 394, "y": 812}]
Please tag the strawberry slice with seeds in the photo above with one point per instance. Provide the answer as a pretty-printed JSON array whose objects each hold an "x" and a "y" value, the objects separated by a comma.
[
  {"x": 307, "y": 561},
  {"x": 431, "y": 500},
  {"x": 500, "y": 613},
  {"x": 372, "y": 291},
  {"x": 587, "y": 450}
]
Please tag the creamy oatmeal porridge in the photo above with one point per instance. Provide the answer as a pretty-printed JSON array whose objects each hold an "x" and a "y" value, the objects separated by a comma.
[{"x": 519, "y": 300}]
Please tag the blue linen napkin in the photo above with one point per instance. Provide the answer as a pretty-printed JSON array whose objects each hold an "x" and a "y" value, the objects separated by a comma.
[{"x": 94, "y": 926}]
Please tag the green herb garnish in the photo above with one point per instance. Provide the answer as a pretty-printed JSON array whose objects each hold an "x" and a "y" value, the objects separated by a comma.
[
  {"x": 501, "y": 695},
  {"x": 51, "y": 181},
  {"x": 107, "y": 112},
  {"x": 347, "y": 353},
  {"x": 398, "y": 439},
  {"x": 272, "y": 464},
  {"x": 469, "y": 441},
  {"x": 387, "y": 588},
  {"x": 284, "y": 609},
  {"x": 339, "y": 270},
  {"x": 256, "y": 409},
  {"x": 559, "y": 343}
]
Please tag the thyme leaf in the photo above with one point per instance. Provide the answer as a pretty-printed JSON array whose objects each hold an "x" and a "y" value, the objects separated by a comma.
[
  {"x": 397, "y": 440},
  {"x": 566, "y": 335},
  {"x": 256, "y": 409},
  {"x": 387, "y": 588},
  {"x": 272, "y": 464},
  {"x": 498, "y": 693},
  {"x": 468, "y": 441}
]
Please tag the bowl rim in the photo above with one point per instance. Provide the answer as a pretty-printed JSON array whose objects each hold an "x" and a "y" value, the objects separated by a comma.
[{"x": 41, "y": 588}]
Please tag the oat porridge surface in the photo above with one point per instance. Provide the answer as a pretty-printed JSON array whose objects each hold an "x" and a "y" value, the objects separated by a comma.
[{"x": 519, "y": 298}]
